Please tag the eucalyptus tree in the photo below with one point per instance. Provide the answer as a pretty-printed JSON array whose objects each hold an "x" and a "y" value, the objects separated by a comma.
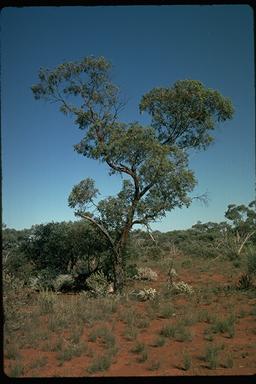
[
  {"x": 153, "y": 159},
  {"x": 243, "y": 220}
]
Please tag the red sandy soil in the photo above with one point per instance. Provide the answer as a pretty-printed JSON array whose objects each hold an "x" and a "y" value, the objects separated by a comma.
[{"x": 170, "y": 356}]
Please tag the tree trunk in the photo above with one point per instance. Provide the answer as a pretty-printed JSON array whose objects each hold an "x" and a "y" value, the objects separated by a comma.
[{"x": 119, "y": 274}]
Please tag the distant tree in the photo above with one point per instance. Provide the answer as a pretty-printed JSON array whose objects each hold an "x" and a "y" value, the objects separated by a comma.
[
  {"x": 153, "y": 159},
  {"x": 14, "y": 260},
  {"x": 243, "y": 220}
]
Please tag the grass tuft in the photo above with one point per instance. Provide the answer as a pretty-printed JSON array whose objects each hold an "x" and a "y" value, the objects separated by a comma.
[{"x": 100, "y": 363}]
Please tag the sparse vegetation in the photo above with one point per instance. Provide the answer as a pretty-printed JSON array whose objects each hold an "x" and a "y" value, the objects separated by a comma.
[
  {"x": 40, "y": 362},
  {"x": 100, "y": 363},
  {"x": 17, "y": 370},
  {"x": 224, "y": 326},
  {"x": 100, "y": 326},
  {"x": 138, "y": 347},
  {"x": 154, "y": 365},
  {"x": 211, "y": 356},
  {"x": 46, "y": 300},
  {"x": 176, "y": 331},
  {"x": 104, "y": 334},
  {"x": 159, "y": 341},
  {"x": 70, "y": 351},
  {"x": 186, "y": 361}
]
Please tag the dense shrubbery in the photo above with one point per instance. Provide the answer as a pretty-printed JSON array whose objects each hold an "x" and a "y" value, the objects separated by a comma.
[
  {"x": 42, "y": 255},
  {"x": 59, "y": 246},
  {"x": 45, "y": 251}
]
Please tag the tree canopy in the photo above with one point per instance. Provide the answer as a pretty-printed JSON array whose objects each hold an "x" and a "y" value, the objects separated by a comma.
[{"x": 153, "y": 159}]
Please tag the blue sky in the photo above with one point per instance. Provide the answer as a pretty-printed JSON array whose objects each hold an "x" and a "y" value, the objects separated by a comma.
[{"x": 149, "y": 46}]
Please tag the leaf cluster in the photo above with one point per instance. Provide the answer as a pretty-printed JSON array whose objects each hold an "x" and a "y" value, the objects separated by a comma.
[
  {"x": 186, "y": 113},
  {"x": 153, "y": 159}
]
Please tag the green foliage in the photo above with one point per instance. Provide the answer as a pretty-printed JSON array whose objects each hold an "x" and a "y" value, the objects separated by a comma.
[
  {"x": 211, "y": 356},
  {"x": 166, "y": 311},
  {"x": 11, "y": 351},
  {"x": 186, "y": 361},
  {"x": 154, "y": 158},
  {"x": 224, "y": 326},
  {"x": 105, "y": 335},
  {"x": 82, "y": 193},
  {"x": 40, "y": 362},
  {"x": 14, "y": 260},
  {"x": 64, "y": 283},
  {"x": 138, "y": 347},
  {"x": 251, "y": 260},
  {"x": 185, "y": 113},
  {"x": 143, "y": 294},
  {"x": 98, "y": 283},
  {"x": 43, "y": 280},
  {"x": 182, "y": 287},
  {"x": 61, "y": 248},
  {"x": 46, "y": 301},
  {"x": 242, "y": 217},
  {"x": 242, "y": 231},
  {"x": 72, "y": 350},
  {"x": 143, "y": 356},
  {"x": 245, "y": 282},
  {"x": 131, "y": 332},
  {"x": 146, "y": 273},
  {"x": 100, "y": 363},
  {"x": 15, "y": 296},
  {"x": 131, "y": 270},
  {"x": 168, "y": 330},
  {"x": 176, "y": 331},
  {"x": 159, "y": 341},
  {"x": 17, "y": 370}
]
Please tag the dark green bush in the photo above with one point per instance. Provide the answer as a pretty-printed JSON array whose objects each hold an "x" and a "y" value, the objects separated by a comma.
[
  {"x": 57, "y": 248},
  {"x": 131, "y": 270},
  {"x": 251, "y": 260}
]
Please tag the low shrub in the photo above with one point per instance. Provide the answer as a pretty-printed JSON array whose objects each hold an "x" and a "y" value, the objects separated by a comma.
[
  {"x": 146, "y": 273},
  {"x": 224, "y": 326},
  {"x": 98, "y": 283},
  {"x": 46, "y": 301},
  {"x": 138, "y": 348},
  {"x": 251, "y": 261},
  {"x": 166, "y": 311},
  {"x": 143, "y": 294},
  {"x": 245, "y": 282},
  {"x": 15, "y": 296},
  {"x": 64, "y": 283},
  {"x": 176, "y": 331},
  {"x": 130, "y": 333},
  {"x": 159, "y": 341},
  {"x": 100, "y": 363},
  {"x": 132, "y": 271},
  {"x": 182, "y": 287},
  {"x": 44, "y": 280},
  {"x": 17, "y": 370},
  {"x": 143, "y": 356},
  {"x": 211, "y": 356},
  {"x": 168, "y": 330},
  {"x": 69, "y": 352},
  {"x": 105, "y": 335},
  {"x": 186, "y": 361}
]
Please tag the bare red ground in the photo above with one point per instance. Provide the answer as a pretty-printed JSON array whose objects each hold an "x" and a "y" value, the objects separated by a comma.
[{"x": 169, "y": 356}]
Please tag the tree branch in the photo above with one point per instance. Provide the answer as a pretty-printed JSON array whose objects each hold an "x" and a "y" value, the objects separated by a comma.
[
  {"x": 102, "y": 229},
  {"x": 247, "y": 237},
  {"x": 202, "y": 198}
]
